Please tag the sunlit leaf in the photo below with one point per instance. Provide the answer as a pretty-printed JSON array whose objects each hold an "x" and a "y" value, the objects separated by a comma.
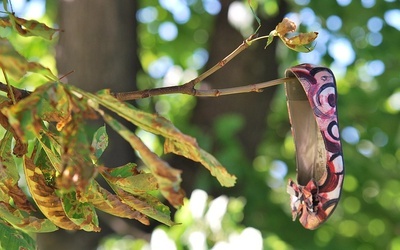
[
  {"x": 45, "y": 197},
  {"x": 17, "y": 66},
  {"x": 152, "y": 123},
  {"x": 49, "y": 102},
  {"x": 31, "y": 27}
]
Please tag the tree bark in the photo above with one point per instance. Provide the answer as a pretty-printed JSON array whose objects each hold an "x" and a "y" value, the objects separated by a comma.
[{"x": 99, "y": 44}]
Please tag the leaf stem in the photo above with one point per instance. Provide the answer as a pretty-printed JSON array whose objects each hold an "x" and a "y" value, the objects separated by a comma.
[{"x": 9, "y": 87}]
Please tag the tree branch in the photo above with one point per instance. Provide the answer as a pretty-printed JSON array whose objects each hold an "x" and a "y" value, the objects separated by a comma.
[{"x": 189, "y": 87}]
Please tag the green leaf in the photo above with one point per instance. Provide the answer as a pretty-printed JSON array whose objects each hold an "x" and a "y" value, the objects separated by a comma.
[
  {"x": 49, "y": 102},
  {"x": 81, "y": 213},
  {"x": 184, "y": 144},
  {"x": 132, "y": 187},
  {"x": 270, "y": 38},
  {"x": 255, "y": 16},
  {"x": 26, "y": 223},
  {"x": 152, "y": 123},
  {"x": 168, "y": 178},
  {"x": 130, "y": 180},
  {"x": 99, "y": 142},
  {"x": 51, "y": 157},
  {"x": 17, "y": 66},
  {"x": 14, "y": 239}
]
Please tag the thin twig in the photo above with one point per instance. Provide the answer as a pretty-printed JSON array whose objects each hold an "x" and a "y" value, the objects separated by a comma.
[
  {"x": 189, "y": 87},
  {"x": 9, "y": 88},
  {"x": 188, "y": 90},
  {"x": 18, "y": 93}
]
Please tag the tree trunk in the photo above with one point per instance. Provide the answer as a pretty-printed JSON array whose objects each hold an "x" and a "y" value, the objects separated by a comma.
[{"x": 99, "y": 45}]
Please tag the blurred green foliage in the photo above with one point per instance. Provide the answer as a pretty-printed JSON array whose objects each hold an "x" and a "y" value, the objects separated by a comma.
[
  {"x": 368, "y": 216},
  {"x": 359, "y": 42}
]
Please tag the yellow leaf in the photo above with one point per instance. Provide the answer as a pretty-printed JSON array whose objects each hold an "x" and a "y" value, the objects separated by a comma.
[
  {"x": 302, "y": 38},
  {"x": 45, "y": 197}
]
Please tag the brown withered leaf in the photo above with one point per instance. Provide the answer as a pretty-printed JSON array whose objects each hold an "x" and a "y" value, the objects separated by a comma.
[
  {"x": 45, "y": 197},
  {"x": 286, "y": 26},
  {"x": 9, "y": 176},
  {"x": 110, "y": 203},
  {"x": 20, "y": 148},
  {"x": 147, "y": 205},
  {"x": 199, "y": 155},
  {"x": 297, "y": 43}
]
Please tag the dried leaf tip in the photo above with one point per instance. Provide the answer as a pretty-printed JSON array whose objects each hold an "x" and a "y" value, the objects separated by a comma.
[
  {"x": 297, "y": 43},
  {"x": 285, "y": 27}
]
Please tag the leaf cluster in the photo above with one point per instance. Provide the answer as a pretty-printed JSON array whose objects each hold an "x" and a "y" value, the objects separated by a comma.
[{"x": 61, "y": 164}]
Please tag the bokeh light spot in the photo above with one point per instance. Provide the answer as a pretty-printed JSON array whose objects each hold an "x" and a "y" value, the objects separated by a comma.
[
  {"x": 351, "y": 135},
  {"x": 213, "y": 7},
  {"x": 334, "y": 23},
  {"x": 351, "y": 204},
  {"x": 341, "y": 50},
  {"x": 368, "y": 3},
  {"x": 343, "y": 3},
  {"x": 168, "y": 31},
  {"x": 348, "y": 228},
  {"x": 375, "y": 24},
  {"x": 376, "y": 227},
  {"x": 392, "y": 17},
  {"x": 351, "y": 183},
  {"x": 147, "y": 15}
]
